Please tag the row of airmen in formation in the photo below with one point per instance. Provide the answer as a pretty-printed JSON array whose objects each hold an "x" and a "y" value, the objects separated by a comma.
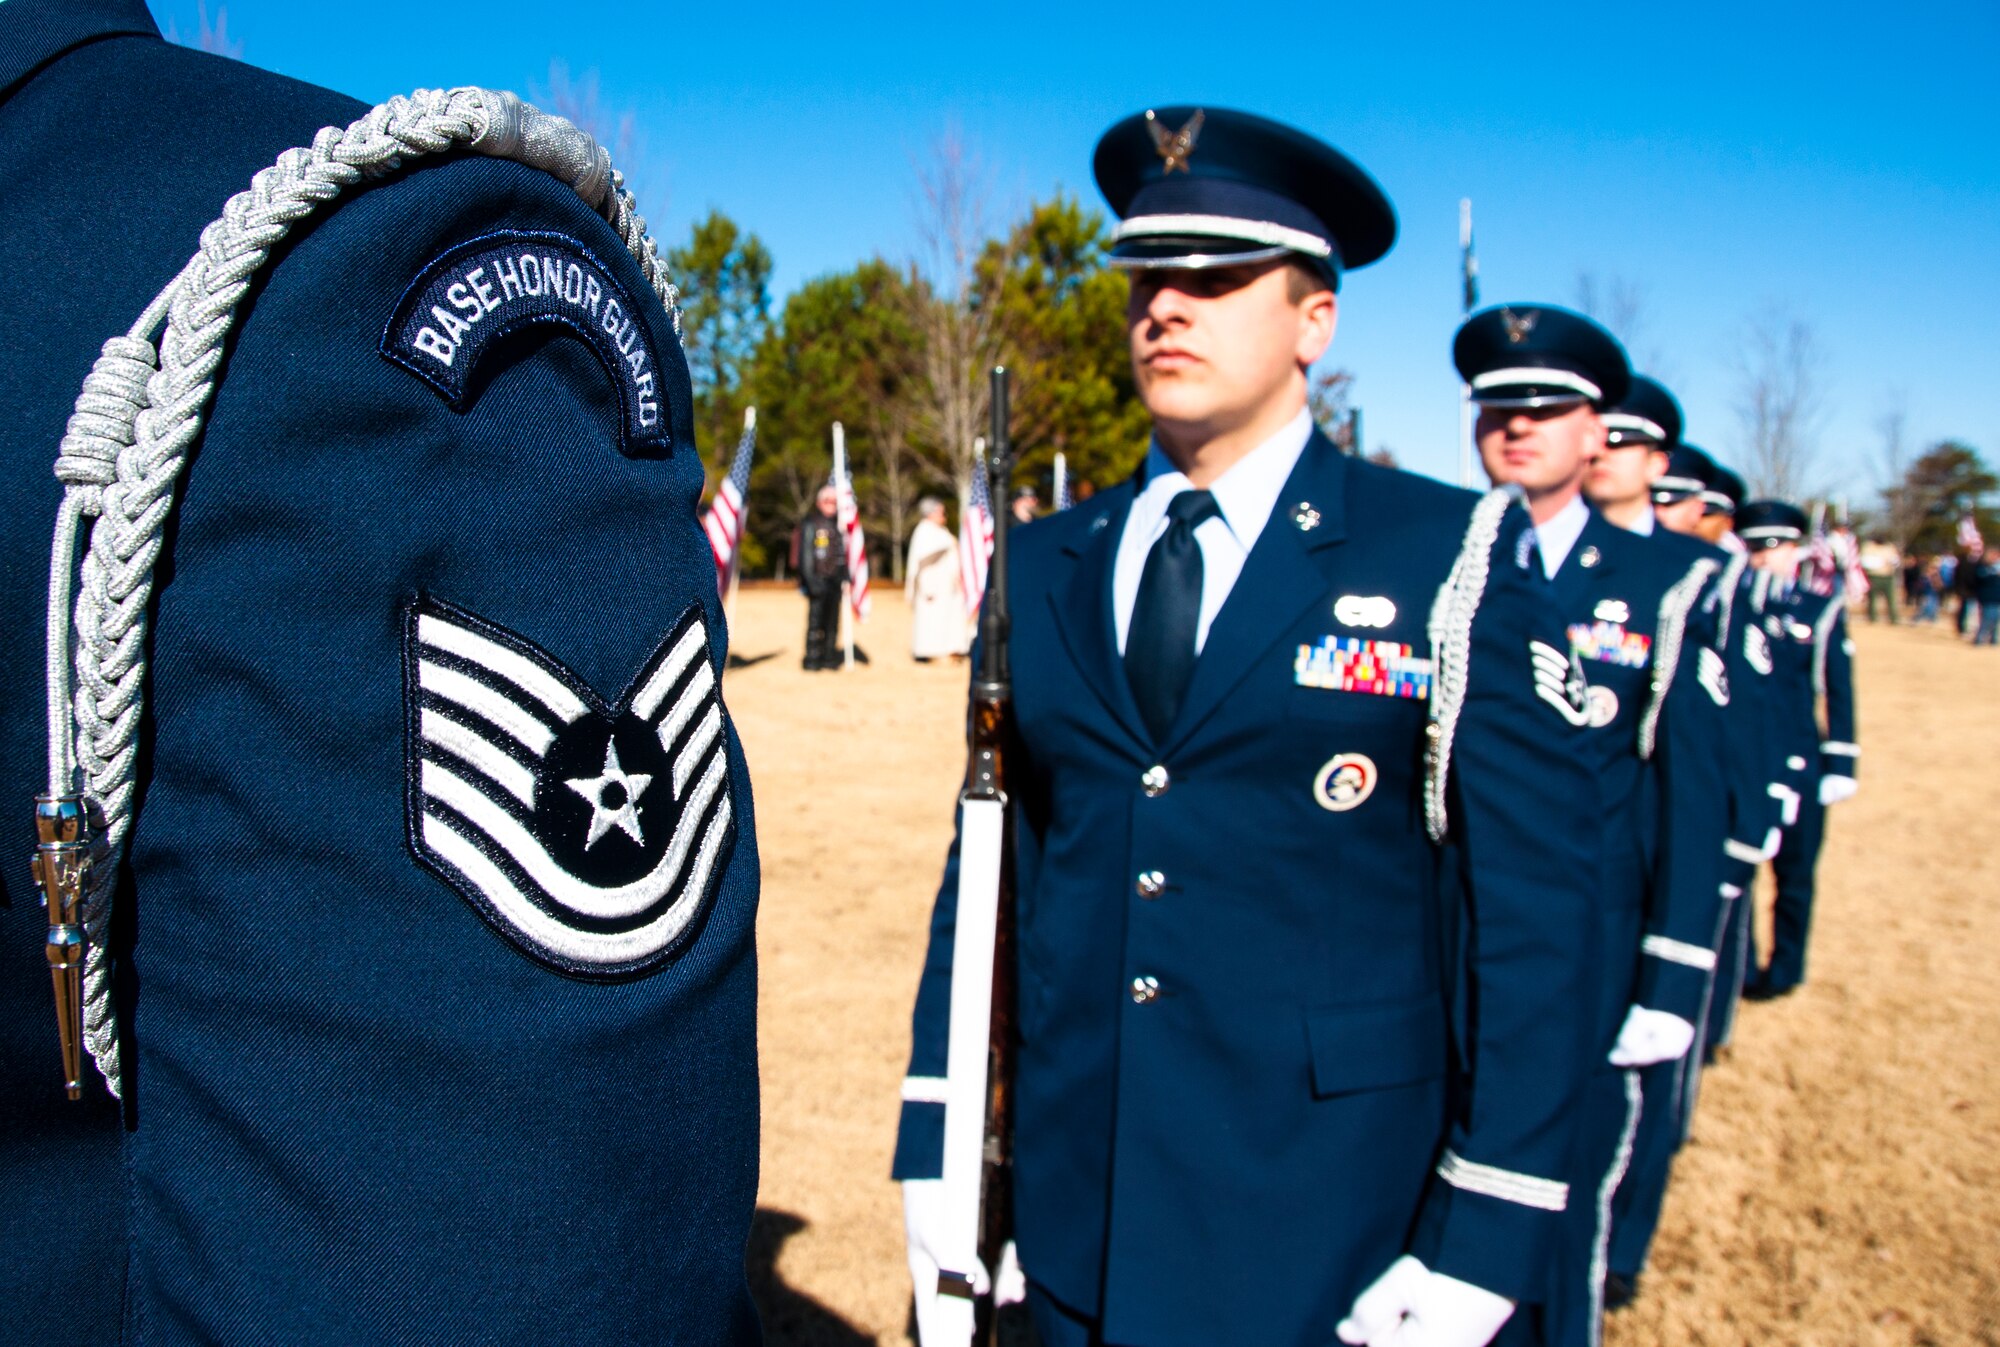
[
  {"x": 1384, "y": 853},
  {"x": 1381, "y": 848}
]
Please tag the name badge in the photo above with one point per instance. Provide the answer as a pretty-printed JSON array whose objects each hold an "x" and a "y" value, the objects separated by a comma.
[{"x": 1350, "y": 664}]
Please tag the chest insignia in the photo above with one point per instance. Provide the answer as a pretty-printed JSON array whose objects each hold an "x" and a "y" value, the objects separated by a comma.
[
  {"x": 1612, "y": 610},
  {"x": 1344, "y": 782},
  {"x": 1348, "y": 664},
  {"x": 1610, "y": 643},
  {"x": 1589, "y": 557},
  {"x": 1603, "y": 707},
  {"x": 1355, "y": 610}
]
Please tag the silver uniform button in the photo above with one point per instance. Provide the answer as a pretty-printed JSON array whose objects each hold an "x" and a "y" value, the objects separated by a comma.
[
  {"x": 1145, "y": 990},
  {"x": 1151, "y": 883},
  {"x": 1154, "y": 781}
]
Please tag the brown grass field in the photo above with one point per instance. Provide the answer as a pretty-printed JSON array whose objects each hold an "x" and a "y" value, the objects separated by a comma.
[{"x": 1843, "y": 1183}]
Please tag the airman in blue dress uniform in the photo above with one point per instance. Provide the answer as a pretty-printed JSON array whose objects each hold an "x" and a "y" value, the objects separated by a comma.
[
  {"x": 1547, "y": 383},
  {"x": 1647, "y": 482},
  {"x": 1299, "y": 953},
  {"x": 433, "y": 945},
  {"x": 1813, "y": 660}
]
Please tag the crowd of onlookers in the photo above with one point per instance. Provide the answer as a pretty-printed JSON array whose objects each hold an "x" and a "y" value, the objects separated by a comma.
[{"x": 1965, "y": 585}]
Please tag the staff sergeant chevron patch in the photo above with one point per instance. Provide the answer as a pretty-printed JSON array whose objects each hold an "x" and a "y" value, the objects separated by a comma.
[{"x": 590, "y": 835}]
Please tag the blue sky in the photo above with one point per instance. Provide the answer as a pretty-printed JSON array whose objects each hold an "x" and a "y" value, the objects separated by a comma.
[{"x": 1837, "y": 161}]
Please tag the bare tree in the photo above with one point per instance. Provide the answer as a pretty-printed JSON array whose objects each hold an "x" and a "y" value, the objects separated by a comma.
[
  {"x": 1780, "y": 367},
  {"x": 955, "y": 306},
  {"x": 211, "y": 38},
  {"x": 581, "y": 102},
  {"x": 1903, "y": 514}
]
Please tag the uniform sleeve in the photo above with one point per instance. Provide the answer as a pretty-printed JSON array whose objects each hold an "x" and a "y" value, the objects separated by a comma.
[
  {"x": 1523, "y": 822},
  {"x": 1754, "y": 811},
  {"x": 1840, "y": 751},
  {"x": 920, "y": 1133},
  {"x": 1677, "y": 951}
]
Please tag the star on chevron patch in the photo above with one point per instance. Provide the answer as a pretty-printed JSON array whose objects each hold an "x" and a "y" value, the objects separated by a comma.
[{"x": 590, "y": 834}]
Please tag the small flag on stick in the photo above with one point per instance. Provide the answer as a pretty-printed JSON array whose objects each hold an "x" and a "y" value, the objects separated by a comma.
[{"x": 726, "y": 512}]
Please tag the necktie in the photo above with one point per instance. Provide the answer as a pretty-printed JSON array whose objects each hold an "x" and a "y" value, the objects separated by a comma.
[{"x": 1159, "y": 646}]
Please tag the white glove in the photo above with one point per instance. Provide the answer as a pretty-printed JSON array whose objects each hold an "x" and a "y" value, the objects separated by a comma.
[
  {"x": 924, "y": 1213},
  {"x": 1834, "y": 789},
  {"x": 1650, "y": 1036},
  {"x": 1411, "y": 1306}
]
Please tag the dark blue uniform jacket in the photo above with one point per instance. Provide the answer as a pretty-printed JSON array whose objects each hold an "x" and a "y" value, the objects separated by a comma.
[
  {"x": 1306, "y": 1097},
  {"x": 1814, "y": 668},
  {"x": 1657, "y": 691},
  {"x": 360, "y": 1109}
]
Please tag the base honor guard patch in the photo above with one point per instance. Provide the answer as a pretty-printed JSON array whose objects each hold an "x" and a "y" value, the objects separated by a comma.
[
  {"x": 1611, "y": 643},
  {"x": 472, "y": 295},
  {"x": 1350, "y": 664},
  {"x": 589, "y": 834}
]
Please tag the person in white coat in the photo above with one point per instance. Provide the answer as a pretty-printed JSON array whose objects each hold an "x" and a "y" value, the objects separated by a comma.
[{"x": 931, "y": 585}]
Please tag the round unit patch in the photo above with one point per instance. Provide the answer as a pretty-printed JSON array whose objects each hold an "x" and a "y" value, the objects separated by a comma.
[
  {"x": 1603, "y": 707},
  {"x": 1345, "y": 781}
]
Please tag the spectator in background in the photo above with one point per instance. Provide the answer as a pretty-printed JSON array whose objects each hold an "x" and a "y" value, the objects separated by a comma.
[
  {"x": 1883, "y": 563},
  {"x": 1986, "y": 589},
  {"x": 1965, "y": 584},
  {"x": 931, "y": 584},
  {"x": 1925, "y": 588},
  {"x": 1027, "y": 505},
  {"x": 819, "y": 559}
]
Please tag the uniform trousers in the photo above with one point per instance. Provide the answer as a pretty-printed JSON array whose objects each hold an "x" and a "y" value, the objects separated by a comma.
[
  {"x": 1732, "y": 958},
  {"x": 1663, "y": 1119},
  {"x": 1792, "y": 868},
  {"x": 1571, "y": 1313}
]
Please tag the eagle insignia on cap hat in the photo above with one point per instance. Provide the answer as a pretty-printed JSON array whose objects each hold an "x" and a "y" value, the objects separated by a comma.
[
  {"x": 1519, "y": 325},
  {"x": 1175, "y": 146}
]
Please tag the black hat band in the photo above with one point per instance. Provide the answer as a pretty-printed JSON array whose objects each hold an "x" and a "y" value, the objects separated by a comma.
[
  {"x": 1770, "y": 535},
  {"x": 1522, "y": 387}
]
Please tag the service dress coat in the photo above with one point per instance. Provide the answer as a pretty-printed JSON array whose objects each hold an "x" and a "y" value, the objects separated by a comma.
[{"x": 1250, "y": 1073}]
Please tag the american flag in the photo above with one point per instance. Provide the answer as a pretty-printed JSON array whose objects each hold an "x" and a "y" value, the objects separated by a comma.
[
  {"x": 724, "y": 520},
  {"x": 1968, "y": 535},
  {"x": 975, "y": 534},
  {"x": 848, "y": 515},
  {"x": 1063, "y": 497}
]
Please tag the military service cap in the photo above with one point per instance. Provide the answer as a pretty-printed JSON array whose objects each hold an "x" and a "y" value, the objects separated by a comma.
[
  {"x": 1538, "y": 355},
  {"x": 1725, "y": 490},
  {"x": 1647, "y": 412},
  {"x": 1769, "y": 523},
  {"x": 1687, "y": 474},
  {"x": 1207, "y": 187}
]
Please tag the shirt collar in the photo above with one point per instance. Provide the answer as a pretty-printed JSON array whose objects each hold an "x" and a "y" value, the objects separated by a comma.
[
  {"x": 1559, "y": 534},
  {"x": 1248, "y": 491},
  {"x": 1643, "y": 525}
]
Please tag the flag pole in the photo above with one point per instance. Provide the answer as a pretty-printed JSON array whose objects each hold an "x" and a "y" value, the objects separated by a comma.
[
  {"x": 1470, "y": 301},
  {"x": 846, "y": 586}
]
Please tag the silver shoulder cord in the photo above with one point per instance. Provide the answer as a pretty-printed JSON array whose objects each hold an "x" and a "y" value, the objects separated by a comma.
[
  {"x": 1450, "y": 631},
  {"x": 1675, "y": 605},
  {"x": 136, "y": 420}
]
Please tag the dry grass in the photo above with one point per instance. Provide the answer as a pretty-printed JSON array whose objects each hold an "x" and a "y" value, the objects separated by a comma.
[{"x": 1843, "y": 1185}]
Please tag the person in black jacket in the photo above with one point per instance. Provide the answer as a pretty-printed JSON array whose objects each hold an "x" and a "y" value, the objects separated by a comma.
[
  {"x": 432, "y": 947},
  {"x": 819, "y": 557}
]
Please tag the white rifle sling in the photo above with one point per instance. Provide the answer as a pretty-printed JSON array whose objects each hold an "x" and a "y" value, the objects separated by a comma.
[
  {"x": 141, "y": 411},
  {"x": 981, "y": 837}
]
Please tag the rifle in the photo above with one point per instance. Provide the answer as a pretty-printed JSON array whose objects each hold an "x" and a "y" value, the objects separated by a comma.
[{"x": 979, "y": 1070}]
